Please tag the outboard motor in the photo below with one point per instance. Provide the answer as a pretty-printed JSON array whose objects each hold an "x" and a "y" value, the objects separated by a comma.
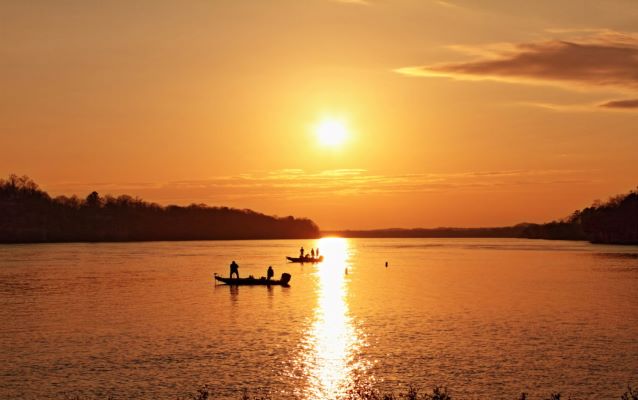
[{"x": 285, "y": 278}]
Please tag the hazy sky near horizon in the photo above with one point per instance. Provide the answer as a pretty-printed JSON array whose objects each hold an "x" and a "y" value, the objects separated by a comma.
[{"x": 459, "y": 112}]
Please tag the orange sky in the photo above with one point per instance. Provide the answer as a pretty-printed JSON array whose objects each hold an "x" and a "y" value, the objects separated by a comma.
[{"x": 459, "y": 114}]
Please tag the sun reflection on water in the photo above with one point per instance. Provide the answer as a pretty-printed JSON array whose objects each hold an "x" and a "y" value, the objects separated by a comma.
[{"x": 330, "y": 361}]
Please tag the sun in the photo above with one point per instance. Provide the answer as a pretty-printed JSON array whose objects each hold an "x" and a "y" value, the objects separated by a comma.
[{"x": 331, "y": 132}]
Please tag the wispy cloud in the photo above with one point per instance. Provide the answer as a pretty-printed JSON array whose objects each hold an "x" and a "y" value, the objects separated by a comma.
[
  {"x": 611, "y": 106},
  {"x": 579, "y": 30},
  {"x": 357, "y": 2},
  {"x": 601, "y": 58},
  {"x": 290, "y": 184},
  {"x": 621, "y": 104},
  {"x": 447, "y": 4}
]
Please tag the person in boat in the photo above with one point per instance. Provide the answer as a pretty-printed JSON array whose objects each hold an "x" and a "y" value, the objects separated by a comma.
[
  {"x": 234, "y": 269},
  {"x": 317, "y": 252},
  {"x": 270, "y": 273},
  {"x": 312, "y": 253},
  {"x": 301, "y": 255}
]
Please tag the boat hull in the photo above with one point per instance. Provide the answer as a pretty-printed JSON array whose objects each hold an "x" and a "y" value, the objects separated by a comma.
[
  {"x": 254, "y": 281},
  {"x": 305, "y": 260}
]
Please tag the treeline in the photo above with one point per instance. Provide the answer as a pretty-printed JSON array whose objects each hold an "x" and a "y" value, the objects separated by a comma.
[
  {"x": 614, "y": 221},
  {"x": 28, "y": 214},
  {"x": 500, "y": 232}
]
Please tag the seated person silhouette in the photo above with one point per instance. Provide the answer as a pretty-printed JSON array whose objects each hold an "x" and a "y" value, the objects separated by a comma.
[{"x": 270, "y": 273}]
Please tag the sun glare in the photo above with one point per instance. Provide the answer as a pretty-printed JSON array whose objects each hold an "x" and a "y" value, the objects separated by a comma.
[
  {"x": 330, "y": 358},
  {"x": 331, "y": 132}
]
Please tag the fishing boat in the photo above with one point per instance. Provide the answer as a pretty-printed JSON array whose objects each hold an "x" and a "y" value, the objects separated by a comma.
[
  {"x": 305, "y": 259},
  {"x": 251, "y": 280}
]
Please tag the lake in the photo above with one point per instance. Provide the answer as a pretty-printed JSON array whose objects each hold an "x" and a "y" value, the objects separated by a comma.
[{"x": 484, "y": 317}]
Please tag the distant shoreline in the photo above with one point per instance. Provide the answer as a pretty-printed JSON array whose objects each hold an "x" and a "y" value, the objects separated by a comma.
[
  {"x": 29, "y": 215},
  {"x": 612, "y": 222},
  {"x": 493, "y": 232},
  {"x": 326, "y": 235}
]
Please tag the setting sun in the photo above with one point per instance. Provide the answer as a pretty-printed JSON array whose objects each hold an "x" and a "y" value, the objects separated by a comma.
[{"x": 331, "y": 132}]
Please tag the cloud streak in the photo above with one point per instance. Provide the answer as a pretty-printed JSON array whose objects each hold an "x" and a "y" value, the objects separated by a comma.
[
  {"x": 357, "y": 2},
  {"x": 603, "y": 59},
  {"x": 621, "y": 104},
  {"x": 296, "y": 184}
]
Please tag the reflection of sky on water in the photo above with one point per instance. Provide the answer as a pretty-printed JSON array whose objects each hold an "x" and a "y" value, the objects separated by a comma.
[{"x": 329, "y": 356}]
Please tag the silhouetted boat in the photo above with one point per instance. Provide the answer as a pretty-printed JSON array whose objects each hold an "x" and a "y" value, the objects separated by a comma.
[
  {"x": 285, "y": 278},
  {"x": 305, "y": 259}
]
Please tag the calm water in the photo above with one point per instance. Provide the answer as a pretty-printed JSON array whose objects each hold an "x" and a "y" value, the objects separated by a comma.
[{"x": 484, "y": 317}]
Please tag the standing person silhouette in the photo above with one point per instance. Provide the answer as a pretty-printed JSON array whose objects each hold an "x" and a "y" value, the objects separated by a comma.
[
  {"x": 317, "y": 252},
  {"x": 301, "y": 252},
  {"x": 270, "y": 272},
  {"x": 312, "y": 253},
  {"x": 234, "y": 269}
]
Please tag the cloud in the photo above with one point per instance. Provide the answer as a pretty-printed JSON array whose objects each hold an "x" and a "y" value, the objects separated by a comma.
[
  {"x": 447, "y": 4},
  {"x": 621, "y": 104},
  {"x": 574, "y": 108},
  {"x": 296, "y": 184},
  {"x": 357, "y": 2},
  {"x": 603, "y": 58}
]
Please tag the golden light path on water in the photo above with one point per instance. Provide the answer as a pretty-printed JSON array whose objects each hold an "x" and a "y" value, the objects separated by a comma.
[{"x": 329, "y": 359}]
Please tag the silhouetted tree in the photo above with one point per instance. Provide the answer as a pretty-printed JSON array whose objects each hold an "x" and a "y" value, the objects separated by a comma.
[
  {"x": 93, "y": 200},
  {"x": 614, "y": 221}
]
